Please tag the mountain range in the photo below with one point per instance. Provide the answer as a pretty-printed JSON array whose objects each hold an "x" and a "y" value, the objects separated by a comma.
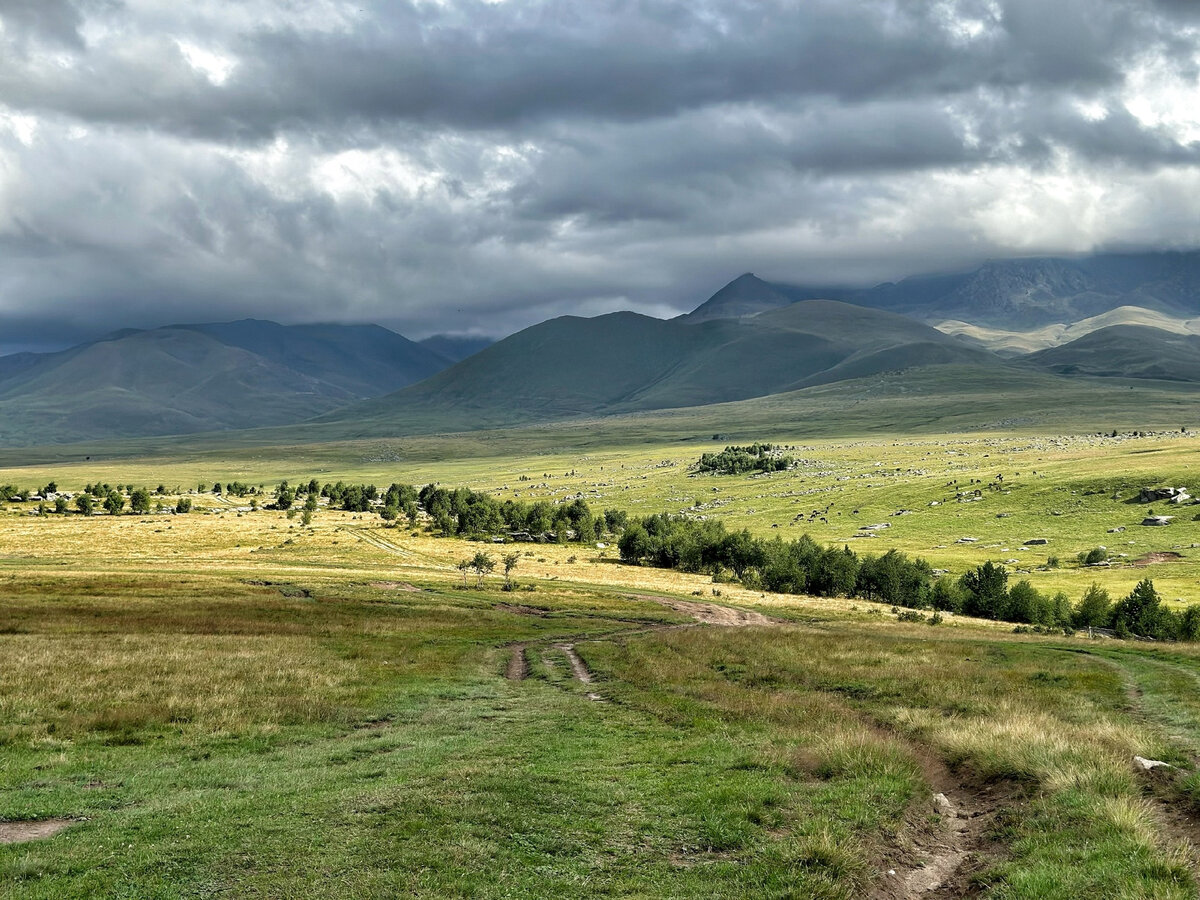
[
  {"x": 1102, "y": 317},
  {"x": 189, "y": 378}
]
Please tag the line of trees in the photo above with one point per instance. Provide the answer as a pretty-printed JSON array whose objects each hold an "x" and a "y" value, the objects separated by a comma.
[
  {"x": 469, "y": 513},
  {"x": 803, "y": 566},
  {"x": 462, "y": 511}
]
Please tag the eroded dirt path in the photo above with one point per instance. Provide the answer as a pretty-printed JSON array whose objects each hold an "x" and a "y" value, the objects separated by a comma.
[
  {"x": 518, "y": 665},
  {"x": 578, "y": 668},
  {"x": 941, "y": 862}
]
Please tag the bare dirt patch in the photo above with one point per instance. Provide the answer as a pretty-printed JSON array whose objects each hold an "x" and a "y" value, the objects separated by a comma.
[
  {"x": 20, "y": 832},
  {"x": 1161, "y": 557},
  {"x": 711, "y": 613},
  {"x": 518, "y": 665},
  {"x": 1177, "y": 819}
]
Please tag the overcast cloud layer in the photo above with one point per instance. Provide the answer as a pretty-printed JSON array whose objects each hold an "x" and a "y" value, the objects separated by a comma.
[{"x": 476, "y": 167}]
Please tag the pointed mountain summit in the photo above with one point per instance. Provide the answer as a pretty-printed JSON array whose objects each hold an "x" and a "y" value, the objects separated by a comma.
[{"x": 746, "y": 295}]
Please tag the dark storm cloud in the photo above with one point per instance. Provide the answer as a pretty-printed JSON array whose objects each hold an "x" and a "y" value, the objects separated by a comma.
[
  {"x": 477, "y": 166},
  {"x": 481, "y": 65},
  {"x": 53, "y": 21}
]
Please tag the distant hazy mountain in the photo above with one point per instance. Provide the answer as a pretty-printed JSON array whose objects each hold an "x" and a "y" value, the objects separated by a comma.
[
  {"x": 1126, "y": 351},
  {"x": 624, "y": 361},
  {"x": 1016, "y": 343},
  {"x": 192, "y": 378},
  {"x": 1022, "y": 294},
  {"x": 366, "y": 360},
  {"x": 455, "y": 348}
]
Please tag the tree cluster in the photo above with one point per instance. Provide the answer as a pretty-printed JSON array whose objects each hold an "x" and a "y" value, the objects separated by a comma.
[
  {"x": 739, "y": 460},
  {"x": 803, "y": 566},
  {"x": 469, "y": 513}
]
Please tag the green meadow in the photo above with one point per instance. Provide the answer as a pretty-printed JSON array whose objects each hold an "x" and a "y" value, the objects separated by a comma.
[{"x": 230, "y": 703}]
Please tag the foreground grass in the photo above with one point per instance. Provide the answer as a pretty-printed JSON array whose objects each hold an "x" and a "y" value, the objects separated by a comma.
[
  {"x": 232, "y": 704},
  {"x": 219, "y": 737}
]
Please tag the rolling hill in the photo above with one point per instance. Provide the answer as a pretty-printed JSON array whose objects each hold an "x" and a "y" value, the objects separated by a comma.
[
  {"x": 1126, "y": 351},
  {"x": 1018, "y": 343},
  {"x": 625, "y": 362},
  {"x": 191, "y": 378}
]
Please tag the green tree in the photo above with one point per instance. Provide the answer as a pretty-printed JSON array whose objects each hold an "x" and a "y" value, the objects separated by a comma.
[
  {"x": 139, "y": 501},
  {"x": 946, "y": 595},
  {"x": 114, "y": 503},
  {"x": 85, "y": 504},
  {"x": 60, "y": 504},
  {"x": 1189, "y": 624},
  {"x": 284, "y": 496},
  {"x": 1141, "y": 612},
  {"x": 482, "y": 564},
  {"x": 986, "y": 591},
  {"x": 510, "y": 563},
  {"x": 634, "y": 544},
  {"x": 1094, "y": 609},
  {"x": 1026, "y": 604}
]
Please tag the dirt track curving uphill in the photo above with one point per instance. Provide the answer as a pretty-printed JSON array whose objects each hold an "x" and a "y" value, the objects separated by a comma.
[{"x": 711, "y": 613}]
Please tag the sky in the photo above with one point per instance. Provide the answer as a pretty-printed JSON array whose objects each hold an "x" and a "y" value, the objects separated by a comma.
[{"x": 475, "y": 167}]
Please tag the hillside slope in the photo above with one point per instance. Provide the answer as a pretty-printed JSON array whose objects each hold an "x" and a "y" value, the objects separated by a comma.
[{"x": 1126, "y": 351}]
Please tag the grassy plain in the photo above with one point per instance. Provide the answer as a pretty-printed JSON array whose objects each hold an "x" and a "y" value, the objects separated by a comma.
[{"x": 230, "y": 704}]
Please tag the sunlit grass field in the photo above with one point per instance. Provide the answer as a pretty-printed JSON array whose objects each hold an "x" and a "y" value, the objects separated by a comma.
[{"x": 230, "y": 703}]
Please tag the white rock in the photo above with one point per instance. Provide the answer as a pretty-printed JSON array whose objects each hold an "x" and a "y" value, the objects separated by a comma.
[{"x": 1147, "y": 764}]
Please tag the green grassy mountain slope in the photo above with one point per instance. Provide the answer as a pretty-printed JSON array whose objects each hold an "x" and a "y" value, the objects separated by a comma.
[
  {"x": 191, "y": 378},
  {"x": 1126, "y": 351},
  {"x": 624, "y": 362},
  {"x": 365, "y": 360},
  {"x": 156, "y": 382}
]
